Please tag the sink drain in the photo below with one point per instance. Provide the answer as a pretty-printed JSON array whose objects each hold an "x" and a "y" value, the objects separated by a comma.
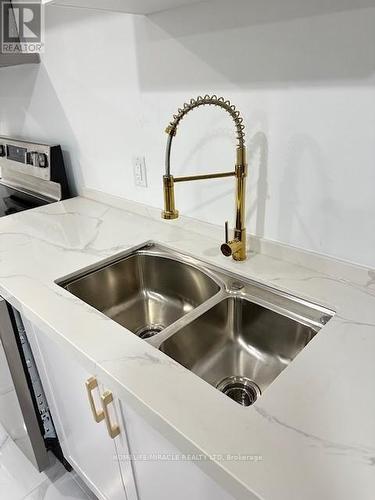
[
  {"x": 241, "y": 389},
  {"x": 148, "y": 331}
]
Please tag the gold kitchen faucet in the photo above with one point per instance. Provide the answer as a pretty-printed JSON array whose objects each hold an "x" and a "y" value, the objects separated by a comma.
[{"x": 237, "y": 246}]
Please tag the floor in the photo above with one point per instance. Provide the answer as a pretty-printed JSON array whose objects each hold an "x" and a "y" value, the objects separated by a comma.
[{"x": 19, "y": 480}]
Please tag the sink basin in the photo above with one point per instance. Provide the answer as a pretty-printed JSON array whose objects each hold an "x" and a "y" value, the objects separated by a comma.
[
  {"x": 239, "y": 346},
  {"x": 236, "y": 334},
  {"x": 144, "y": 292}
]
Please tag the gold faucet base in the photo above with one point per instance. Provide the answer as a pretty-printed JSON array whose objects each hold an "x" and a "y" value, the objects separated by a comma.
[
  {"x": 235, "y": 248},
  {"x": 169, "y": 214},
  {"x": 239, "y": 256}
]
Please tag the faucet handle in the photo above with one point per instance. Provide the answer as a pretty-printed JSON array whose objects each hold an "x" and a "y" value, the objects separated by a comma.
[
  {"x": 226, "y": 232},
  {"x": 226, "y": 247}
]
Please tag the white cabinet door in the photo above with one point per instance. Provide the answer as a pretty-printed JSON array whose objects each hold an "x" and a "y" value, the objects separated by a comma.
[
  {"x": 160, "y": 470},
  {"x": 86, "y": 443},
  {"x": 157, "y": 468}
]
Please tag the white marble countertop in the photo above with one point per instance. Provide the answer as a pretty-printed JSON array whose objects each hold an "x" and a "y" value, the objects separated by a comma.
[{"x": 314, "y": 427}]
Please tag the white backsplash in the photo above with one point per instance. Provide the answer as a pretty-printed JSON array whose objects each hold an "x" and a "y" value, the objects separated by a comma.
[{"x": 303, "y": 77}]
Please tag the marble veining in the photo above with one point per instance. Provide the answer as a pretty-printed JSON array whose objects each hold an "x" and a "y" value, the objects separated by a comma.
[
  {"x": 364, "y": 452},
  {"x": 313, "y": 426}
]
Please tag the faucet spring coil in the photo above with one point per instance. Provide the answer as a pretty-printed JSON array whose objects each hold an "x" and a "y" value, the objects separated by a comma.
[{"x": 213, "y": 100}]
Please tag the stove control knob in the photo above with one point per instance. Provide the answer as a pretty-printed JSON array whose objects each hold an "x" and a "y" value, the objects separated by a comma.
[
  {"x": 2, "y": 150},
  {"x": 32, "y": 158},
  {"x": 37, "y": 159},
  {"x": 42, "y": 160},
  {"x": 29, "y": 158}
]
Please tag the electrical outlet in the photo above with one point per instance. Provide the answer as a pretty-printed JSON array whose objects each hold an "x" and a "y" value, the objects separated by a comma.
[{"x": 140, "y": 172}]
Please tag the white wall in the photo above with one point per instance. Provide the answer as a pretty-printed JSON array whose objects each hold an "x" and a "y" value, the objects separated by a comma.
[{"x": 301, "y": 72}]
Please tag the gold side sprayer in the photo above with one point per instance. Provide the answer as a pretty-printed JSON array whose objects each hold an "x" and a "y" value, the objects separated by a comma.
[{"x": 235, "y": 247}]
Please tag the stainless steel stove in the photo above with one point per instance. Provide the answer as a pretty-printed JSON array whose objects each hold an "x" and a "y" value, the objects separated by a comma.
[{"x": 31, "y": 175}]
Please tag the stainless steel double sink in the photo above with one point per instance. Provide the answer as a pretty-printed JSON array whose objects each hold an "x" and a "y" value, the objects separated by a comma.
[{"x": 236, "y": 334}]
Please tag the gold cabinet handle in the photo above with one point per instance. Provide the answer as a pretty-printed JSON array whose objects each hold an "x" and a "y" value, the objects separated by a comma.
[
  {"x": 92, "y": 384},
  {"x": 113, "y": 429}
]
